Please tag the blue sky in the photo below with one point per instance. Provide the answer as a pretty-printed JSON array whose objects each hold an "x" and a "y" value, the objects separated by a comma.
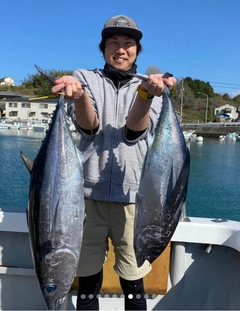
[{"x": 189, "y": 38}]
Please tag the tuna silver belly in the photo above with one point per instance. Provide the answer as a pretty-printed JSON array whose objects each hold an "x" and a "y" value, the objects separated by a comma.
[{"x": 163, "y": 186}]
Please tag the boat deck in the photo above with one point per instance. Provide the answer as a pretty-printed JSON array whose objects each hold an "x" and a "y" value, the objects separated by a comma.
[{"x": 204, "y": 268}]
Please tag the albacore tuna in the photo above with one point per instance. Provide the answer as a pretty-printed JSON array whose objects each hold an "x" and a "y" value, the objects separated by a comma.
[
  {"x": 163, "y": 186},
  {"x": 56, "y": 209}
]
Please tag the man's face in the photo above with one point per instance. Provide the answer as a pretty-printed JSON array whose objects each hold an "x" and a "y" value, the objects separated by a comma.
[{"x": 120, "y": 51}]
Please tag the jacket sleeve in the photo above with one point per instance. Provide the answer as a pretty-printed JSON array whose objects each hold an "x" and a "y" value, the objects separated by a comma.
[
  {"x": 71, "y": 106},
  {"x": 155, "y": 111}
]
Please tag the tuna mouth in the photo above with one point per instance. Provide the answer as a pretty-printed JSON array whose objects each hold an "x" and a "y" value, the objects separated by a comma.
[
  {"x": 149, "y": 254},
  {"x": 53, "y": 297},
  {"x": 140, "y": 260},
  {"x": 149, "y": 244},
  {"x": 155, "y": 252}
]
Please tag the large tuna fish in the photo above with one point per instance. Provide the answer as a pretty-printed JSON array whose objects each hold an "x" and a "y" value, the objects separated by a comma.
[
  {"x": 56, "y": 210},
  {"x": 163, "y": 186}
]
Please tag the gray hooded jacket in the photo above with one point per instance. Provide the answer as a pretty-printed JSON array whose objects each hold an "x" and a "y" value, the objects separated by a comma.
[{"x": 113, "y": 169}]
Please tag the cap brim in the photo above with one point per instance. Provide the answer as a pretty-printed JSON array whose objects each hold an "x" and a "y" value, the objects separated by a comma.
[{"x": 110, "y": 31}]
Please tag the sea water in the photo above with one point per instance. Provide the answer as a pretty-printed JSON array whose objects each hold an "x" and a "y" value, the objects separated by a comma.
[
  {"x": 214, "y": 182},
  {"x": 14, "y": 176}
]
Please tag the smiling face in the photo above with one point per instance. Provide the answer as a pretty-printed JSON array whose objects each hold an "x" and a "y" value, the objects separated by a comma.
[{"x": 120, "y": 51}]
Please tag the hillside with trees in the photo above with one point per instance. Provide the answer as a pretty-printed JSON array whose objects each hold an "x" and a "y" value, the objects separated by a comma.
[
  {"x": 188, "y": 95},
  {"x": 190, "y": 98},
  {"x": 192, "y": 94}
]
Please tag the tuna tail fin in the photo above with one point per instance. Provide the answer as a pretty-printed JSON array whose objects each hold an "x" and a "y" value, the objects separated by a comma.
[{"x": 27, "y": 161}]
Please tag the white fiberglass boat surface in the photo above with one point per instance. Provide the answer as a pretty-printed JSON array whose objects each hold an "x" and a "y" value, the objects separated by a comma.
[{"x": 204, "y": 269}]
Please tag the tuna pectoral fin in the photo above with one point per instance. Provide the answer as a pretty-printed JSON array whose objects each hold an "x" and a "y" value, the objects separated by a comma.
[
  {"x": 179, "y": 192},
  {"x": 28, "y": 162},
  {"x": 55, "y": 227}
]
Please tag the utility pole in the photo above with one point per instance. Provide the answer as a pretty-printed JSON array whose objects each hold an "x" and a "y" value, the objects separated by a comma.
[
  {"x": 181, "y": 102},
  {"x": 212, "y": 109},
  {"x": 206, "y": 115}
]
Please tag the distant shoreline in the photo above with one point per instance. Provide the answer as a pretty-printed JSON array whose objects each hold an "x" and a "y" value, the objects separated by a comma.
[{"x": 212, "y": 129}]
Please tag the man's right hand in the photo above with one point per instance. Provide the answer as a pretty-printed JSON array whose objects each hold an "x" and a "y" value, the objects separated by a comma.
[{"x": 72, "y": 86}]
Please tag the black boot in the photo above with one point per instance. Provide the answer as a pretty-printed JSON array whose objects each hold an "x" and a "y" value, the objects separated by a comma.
[
  {"x": 134, "y": 294},
  {"x": 88, "y": 290}
]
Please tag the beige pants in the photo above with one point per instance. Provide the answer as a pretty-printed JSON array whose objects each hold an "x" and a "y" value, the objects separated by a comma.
[{"x": 116, "y": 221}]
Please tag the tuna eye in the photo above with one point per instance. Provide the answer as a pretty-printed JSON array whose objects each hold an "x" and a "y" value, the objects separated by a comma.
[{"x": 49, "y": 289}]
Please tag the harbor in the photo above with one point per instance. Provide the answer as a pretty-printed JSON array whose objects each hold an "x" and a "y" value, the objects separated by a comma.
[
  {"x": 212, "y": 129},
  {"x": 205, "y": 155},
  {"x": 161, "y": 230},
  {"x": 204, "y": 241}
]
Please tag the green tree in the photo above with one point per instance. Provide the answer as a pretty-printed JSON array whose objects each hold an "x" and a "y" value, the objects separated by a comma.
[
  {"x": 152, "y": 70},
  {"x": 237, "y": 99},
  {"x": 226, "y": 97},
  {"x": 39, "y": 85},
  {"x": 199, "y": 86},
  {"x": 184, "y": 95}
]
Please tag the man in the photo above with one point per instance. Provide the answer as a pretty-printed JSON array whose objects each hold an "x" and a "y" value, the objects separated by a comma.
[{"x": 114, "y": 115}]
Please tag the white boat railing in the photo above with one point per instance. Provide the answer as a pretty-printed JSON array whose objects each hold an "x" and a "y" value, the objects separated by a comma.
[{"x": 199, "y": 278}]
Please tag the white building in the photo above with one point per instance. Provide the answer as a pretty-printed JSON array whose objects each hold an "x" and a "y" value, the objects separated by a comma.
[
  {"x": 6, "y": 81},
  {"x": 25, "y": 109},
  {"x": 226, "y": 113}
]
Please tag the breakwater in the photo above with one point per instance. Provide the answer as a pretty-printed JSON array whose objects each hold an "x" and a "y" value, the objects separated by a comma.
[{"x": 212, "y": 129}]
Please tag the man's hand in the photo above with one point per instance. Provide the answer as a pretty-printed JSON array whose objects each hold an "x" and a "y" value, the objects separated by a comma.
[
  {"x": 155, "y": 84},
  {"x": 73, "y": 88}
]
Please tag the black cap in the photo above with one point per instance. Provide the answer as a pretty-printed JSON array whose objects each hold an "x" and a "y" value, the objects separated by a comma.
[{"x": 121, "y": 24}]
